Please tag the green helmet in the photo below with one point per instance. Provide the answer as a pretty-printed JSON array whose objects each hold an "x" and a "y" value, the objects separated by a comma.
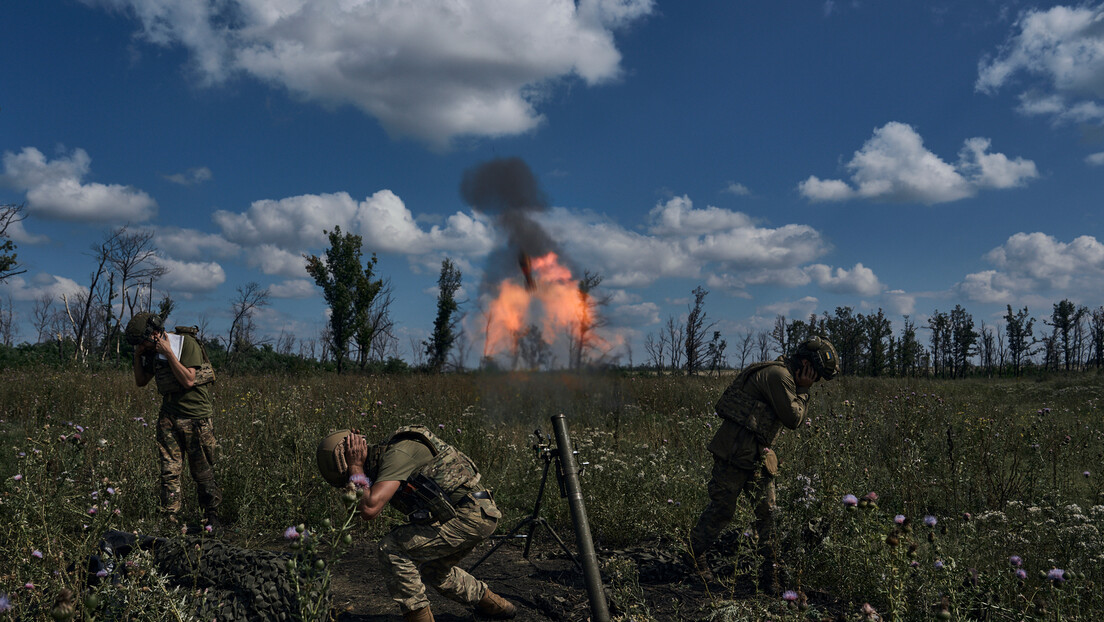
[
  {"x": 330, "y": 457},
  {"x": 143, "y": 326},
  {"x": 822, "y": 354}
]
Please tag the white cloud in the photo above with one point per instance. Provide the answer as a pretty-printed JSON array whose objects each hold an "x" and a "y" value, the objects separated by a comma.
[
  {"x": 1031, "y": 263},
  {"x": 1061, "y": 51},
  {"x": 190, "y": 244},
  {"x": 678, "y": 217},
  {"x": 433, "y": 70},
  {"x": 899, "y": 302},
  {"x": 42, "y": 285},
  {"x": 796, "y": 309},
  {"x": 191, "y": 276},
  {"x": 293, "y": 288},
  {"x": 894, "y": 166},
  {"x": 640, "y": 314},
  {"x": 382, "y": 220},
  {"x": 737, "y": 189},
  {"x": 859, "y": 280},
  {"x": 191, "y": 177},
  {"x": 272, "y": 259},
  {"x": 54, "y": 189},
  {"x": 1095, "y": 159}
]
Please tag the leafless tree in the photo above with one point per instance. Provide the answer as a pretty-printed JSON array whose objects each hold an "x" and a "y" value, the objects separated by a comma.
[
  {"x": 134, "y": 267},
  {"x": 582, "y": 337},
  {"x": 41, "y": 316},
  {"x": 7, "y": 323},
  {"x": 9, "y": 215},
  {"x": 375, "y": 336},
  {"x": 284, "y": 342},
  {"x": 250, "y": 298},
  {"x": 763, "y": 340},
  {"x": 747, "y": 345},
  {"x": 417, "y": 351},
  {"x": 673, "y": 335},
  {"x": 655, "y": 348},
  {"x": 461, "y": 349},
  {"x": 697, "y": 330}
]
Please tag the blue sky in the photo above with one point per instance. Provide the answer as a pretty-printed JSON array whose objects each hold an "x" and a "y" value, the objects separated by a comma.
[{"x": 789, "y": 157}]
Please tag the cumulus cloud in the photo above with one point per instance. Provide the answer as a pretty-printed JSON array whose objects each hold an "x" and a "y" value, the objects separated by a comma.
[
  {"x": 858, "y": 280},
  {"x": 190, "y": 276},
  {"x": 1036, "y": 262},
  {"x": 55, "y": 189},
  {"x": 899, "y": 302},
  {"x": 1060, "y": 52},
  {"x": 191, "y": 177},
  {"x": 1095, "y": 159},
  {"x": 894, "y": 166},
  {"x": 48, "y": 285},
  {"x": 432, "y": 70},
  {"x": 640, "y": 314},
  {"x": 737, "y": 189},
  {"x": 293, "y": 288},
  {"x": 799, "y": 309},
  {"x": 681, "y": 240},
  {"x": 190, "y": 244},
  {"x": 383, "y": 221}
]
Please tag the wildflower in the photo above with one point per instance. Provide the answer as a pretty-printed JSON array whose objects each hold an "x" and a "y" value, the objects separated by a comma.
[
  {"x": 1086, "y": 474},
  {"x": 1057, "y": 575},
  {"x": 5, "y": 603},
  {"x": 930, "y": 520},
  {"x": 1021, "y": 574},
  {"x": 92, "y": 510},
  {"x": 290, "y": 533},
  {"x": 789, "y": 596},
  {"x": 17, "y": 477},
  {"x": 360, "y": 480},
  {"x": 939, "y": 564},
  {"x": 440, "y": 426},
  {"x": 209, "y": 528},
  {"x": 28, "y": 585},
  {"x": 379, "y": 403},
  {"x": 36, "y": 553},
  {"x": 110, "y": 491},
  {"x": 670, "y": 501},
  {"x": 101, "y": 573},
  {"x": 871, "y": 496},
  {"x": 899, "y": 519},
  {"x": 1015, "y": 560},
  {"x": 850, "y": 500},
  {"x": 914, "y": 564}
]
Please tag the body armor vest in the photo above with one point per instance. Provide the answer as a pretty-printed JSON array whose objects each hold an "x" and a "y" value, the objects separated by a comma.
[
  {"x": 162, "y": 372},
  {"x": 447, "y": 477},
  {"x": 740, "y": 407}
]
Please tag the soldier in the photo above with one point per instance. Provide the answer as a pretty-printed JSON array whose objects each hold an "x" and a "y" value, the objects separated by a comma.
[
  {"x": 762, "y": 399},
  {"x": 183, "y": 375},
  {"x": 448, "y": 514}
]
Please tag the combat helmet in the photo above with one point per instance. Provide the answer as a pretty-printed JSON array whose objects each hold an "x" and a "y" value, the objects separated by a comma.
[
  {"x": 330, "y": 457},
  {"x": 822, "y": 354},
  {"x": 143, "y": 326}
]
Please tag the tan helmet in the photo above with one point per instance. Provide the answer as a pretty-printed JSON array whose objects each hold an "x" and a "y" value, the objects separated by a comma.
[
  {"x": 331, "y": 459},
  {"x": 822, "y": 354},
  {"x": 143, "y": 326}
]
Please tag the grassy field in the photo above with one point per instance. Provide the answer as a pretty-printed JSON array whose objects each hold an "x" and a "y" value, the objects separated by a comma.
[{"x": 988, "y": 503}]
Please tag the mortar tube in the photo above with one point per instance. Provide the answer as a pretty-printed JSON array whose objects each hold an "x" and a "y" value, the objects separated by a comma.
[{"x": 599, "y": 609}]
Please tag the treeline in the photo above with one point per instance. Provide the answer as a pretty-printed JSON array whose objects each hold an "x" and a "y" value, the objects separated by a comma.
[{"x": 1070, "y": 338}]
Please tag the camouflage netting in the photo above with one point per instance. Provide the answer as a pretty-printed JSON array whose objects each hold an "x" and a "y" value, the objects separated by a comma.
[{"x": 237, "y": 584}]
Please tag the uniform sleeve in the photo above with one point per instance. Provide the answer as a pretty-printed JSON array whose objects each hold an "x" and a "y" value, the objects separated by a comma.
[
  {"x": 401, "y": 459},
  {"x": 788, "y": 400},
  {"x": 190, "y": 354}
]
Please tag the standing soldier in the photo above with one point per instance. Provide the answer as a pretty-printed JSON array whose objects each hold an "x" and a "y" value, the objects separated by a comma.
[
  {"x": 762, "y": 399},
  {"x": 448, "y": 513},
  {"x": 183, "y": 374}
]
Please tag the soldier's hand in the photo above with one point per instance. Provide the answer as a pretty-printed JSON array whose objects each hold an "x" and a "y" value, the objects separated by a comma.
[
  {"x": 161, "y": 343},
  {"x": 806, "y": 376},
  {"x": 356, "y": 450}
]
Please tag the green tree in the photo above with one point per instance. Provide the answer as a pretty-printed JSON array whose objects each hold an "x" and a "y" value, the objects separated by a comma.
[
  {"x": 1066, "y": 319},
  {"x": 879, "y": 338},
  {"x": 1021, "y": 342},
  {"x": 347, "y": 288},
  {"x": 444, "y": 327}
]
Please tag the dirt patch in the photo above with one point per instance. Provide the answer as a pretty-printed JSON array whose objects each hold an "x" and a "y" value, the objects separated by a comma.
[{"x": 544, "y": 586}]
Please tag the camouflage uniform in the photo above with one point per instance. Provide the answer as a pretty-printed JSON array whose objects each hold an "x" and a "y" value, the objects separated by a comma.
[
  {"x": 185, "y": 432},
  {"x": 428, "y": 549},
  {"x": 762, "y": 399}
]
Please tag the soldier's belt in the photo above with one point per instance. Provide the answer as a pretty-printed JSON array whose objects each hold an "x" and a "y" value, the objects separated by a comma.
[{"x": 471, "y": 497}]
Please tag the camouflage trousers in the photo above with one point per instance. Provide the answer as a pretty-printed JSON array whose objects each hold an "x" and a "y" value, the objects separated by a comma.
[
  {"x": 411, "y": 554},
  {"x": 725, "y": 486},
  {"x": 192, "y": 440}
]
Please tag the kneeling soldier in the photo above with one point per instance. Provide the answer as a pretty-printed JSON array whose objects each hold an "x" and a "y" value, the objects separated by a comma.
[{"x": 448, "y": 513}]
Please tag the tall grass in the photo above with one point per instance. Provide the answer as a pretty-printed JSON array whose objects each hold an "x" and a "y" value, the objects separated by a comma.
[{"x": 1005, "y": 467}]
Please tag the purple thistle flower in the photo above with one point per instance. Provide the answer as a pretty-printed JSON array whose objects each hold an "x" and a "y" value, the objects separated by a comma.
[
  {"x": 1021, "y": 574},
  {"x": 28, "y": 585},
  {"x": 110, "y": 491},
  {"x": 1057, "y": 575},
  {"x": 914, "y": 564},
  {"x": 899, "y": 519},
  {"x": 5, "y": 603},
  {"x": 1086, "y": 474},
  {"x": 930, "y": 520},
  {"x": 939, "y": 564},
  {"x": 789, "y": 596},
  {"x": 1015, "y": 560},
  {"x": 290, "y": 533},
  {"x": 360, "y": 480},
  {"x": 850, "y": 500},
  {"x": 36, "y": 553},
  {"x": 101, "y": 573},
  {"x": 17, "y": 477},
  {"x": 441, "y": 426},
  {"x": 92, "y": 510}
]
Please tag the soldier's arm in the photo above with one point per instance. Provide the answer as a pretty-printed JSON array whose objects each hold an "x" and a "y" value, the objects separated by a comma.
[
  {"x": 377, "y": 494},
  {"x": 789, "y": 400},
  {"x": 184, "y": 375}
]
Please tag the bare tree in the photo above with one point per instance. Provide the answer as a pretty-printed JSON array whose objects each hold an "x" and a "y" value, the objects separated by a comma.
[
  {"x": 763, "y": 340},
  {"x": 780, "y": 334},
  {"x": 673, "y": 335},
  {"x": 9, "y": 215},
  {"x": 250, "y": 298},
  {"x": 747, "y": 346},
  {"x": 376, "y": 338},
  {"x": 41, "y": 315},
  {"x": 284, "y": 343},
  {"x": 582, "y": 337},
  {"x": 134, "y": 265},
  {"x": 698, "y": 326},
  {"x": 7, "y": 323},
  {"x": 655, "y": 347}
]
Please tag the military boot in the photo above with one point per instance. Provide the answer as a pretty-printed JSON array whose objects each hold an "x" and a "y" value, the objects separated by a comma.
[
  {"x": 419, "y": 615},
  {"x": 698, "y": 566},
  {"x": 495, "y": 607}
]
